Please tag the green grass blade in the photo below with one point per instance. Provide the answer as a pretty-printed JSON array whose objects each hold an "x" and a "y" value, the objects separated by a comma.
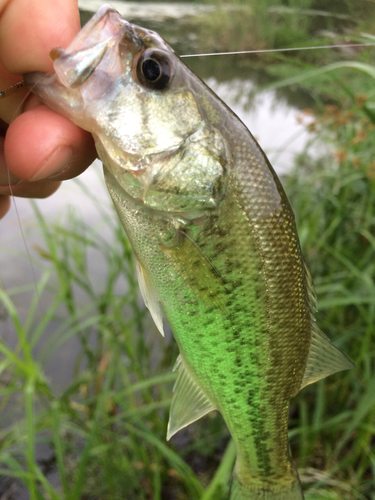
[{"x": 219, "y": 483}]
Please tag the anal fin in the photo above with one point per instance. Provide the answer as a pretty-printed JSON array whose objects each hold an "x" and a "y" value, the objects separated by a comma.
[
  {"x": 189, "y": 402},
  {"x": 324, "y": 359},
  {"x": 149, "y": 296}
]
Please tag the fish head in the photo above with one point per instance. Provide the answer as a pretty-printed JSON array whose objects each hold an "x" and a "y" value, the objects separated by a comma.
[{"x": 150, "y": 116}]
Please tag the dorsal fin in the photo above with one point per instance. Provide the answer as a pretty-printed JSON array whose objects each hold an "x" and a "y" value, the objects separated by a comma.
[
  {"x": 189, "y": 402},
  {"x": 149, "y": 296},
  {"x": 324, "y": 359}
]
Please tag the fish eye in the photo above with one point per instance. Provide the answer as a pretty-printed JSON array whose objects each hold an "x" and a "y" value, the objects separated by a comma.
[{"x": 153, "y": 70}]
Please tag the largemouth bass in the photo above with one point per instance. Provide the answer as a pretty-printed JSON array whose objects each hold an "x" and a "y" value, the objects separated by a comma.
[{"x": 214, "y": 237}]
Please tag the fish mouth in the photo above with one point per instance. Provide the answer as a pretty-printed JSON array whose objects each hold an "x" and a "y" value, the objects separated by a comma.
[
  {"x": 75, "y": 64},
  {"x": 107, "y": 42},
  {"x": 102, "y": 33},
  {"x": 97, "y": 44}
]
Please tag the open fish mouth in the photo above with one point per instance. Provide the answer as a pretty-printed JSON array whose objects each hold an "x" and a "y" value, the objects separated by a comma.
[
  {"x": 93, "y": 44},
  {"x": 101, "y": 51}
]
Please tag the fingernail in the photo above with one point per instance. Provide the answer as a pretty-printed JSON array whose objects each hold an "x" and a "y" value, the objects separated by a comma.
[{"x": 56, "y": 163}]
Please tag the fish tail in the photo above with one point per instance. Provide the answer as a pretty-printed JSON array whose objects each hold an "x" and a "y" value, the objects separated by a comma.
[{"x": 239, "y": 492}]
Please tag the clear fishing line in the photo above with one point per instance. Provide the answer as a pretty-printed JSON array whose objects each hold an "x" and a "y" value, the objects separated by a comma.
[
  {"x": 279, "y": 50},
  {"x": 5, "y": 93}
]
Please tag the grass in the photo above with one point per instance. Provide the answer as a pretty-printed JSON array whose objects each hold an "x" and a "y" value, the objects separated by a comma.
[{"x": 334, "y": 201}]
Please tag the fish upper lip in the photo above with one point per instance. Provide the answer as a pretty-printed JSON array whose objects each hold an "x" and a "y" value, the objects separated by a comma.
[
  {"x": 106, "y": 25},
  {"x": 99, "y": 25}
]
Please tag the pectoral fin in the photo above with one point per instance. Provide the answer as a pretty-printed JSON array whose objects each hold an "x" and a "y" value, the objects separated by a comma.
[
  {"x": 189, "y": 402},
  {"x": 149, "y": 296},
  {"x": 197, "y": 270},
  {"x": 324, "y": 359}
]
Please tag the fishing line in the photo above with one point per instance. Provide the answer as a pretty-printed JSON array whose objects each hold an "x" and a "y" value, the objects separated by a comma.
[
  {"x": 24, "y": 239},
  {"x": 5, "y": 93},
  {"x": 279, "y": 50}
]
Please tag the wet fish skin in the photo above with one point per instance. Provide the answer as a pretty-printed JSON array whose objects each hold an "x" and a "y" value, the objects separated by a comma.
[{"x": 214, "y": 237}]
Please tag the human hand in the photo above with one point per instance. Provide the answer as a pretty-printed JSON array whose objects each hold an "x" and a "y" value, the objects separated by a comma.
[{"x": 38, "y": 147}]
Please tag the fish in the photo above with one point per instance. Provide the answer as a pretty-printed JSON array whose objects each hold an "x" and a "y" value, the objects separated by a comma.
[{"x": 214, "y": 238}]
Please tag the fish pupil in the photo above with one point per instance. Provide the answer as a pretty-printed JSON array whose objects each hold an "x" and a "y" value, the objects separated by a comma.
[{"x": 151, "y": 70}]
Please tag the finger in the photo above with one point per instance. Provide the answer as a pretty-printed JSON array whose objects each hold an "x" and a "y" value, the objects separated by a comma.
[
  {"x": 6, "y": 177},
  {"x": 11, "y": 185},
  {"x": 52, "y": 147},
  {"x": 30, "y": 30}
]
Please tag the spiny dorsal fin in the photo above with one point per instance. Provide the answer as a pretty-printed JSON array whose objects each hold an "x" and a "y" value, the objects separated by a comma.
[
  {"x": 189, "y": 402},
  {"x": 149, "y": 296},
  {"x": 324, "y": 359}
]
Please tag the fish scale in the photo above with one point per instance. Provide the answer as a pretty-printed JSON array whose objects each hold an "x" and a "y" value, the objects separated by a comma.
[
  {"x": 214, "y": 237},
  {"x": 234, "y": 327}
]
